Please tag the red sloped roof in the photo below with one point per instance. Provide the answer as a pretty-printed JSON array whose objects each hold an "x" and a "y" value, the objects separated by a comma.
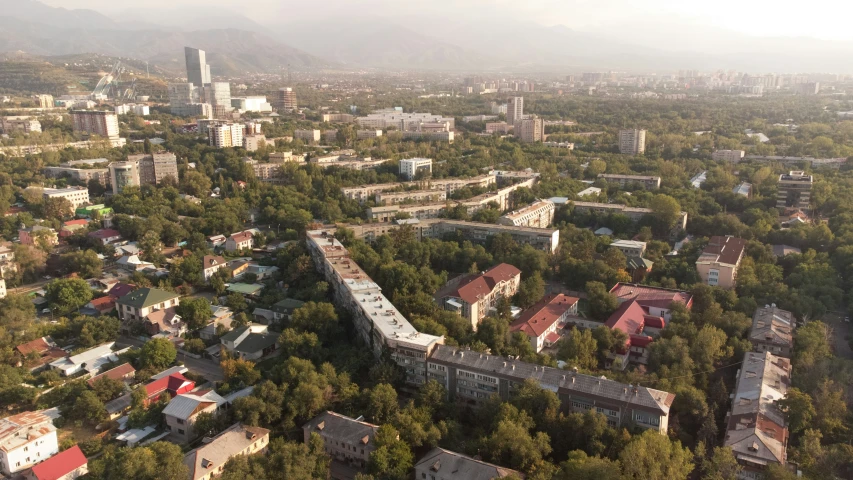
[
  {"x": 121, "y": 289},
  {"x": 629, "y": 317},
  {"x": 117, "y": 373},
  {"x": 38, "y": 345},
  {"x": 173, "y": 383},
  {"x": 651, "y": 296},
  {"x": 103, "y": 304},
  {"x": 60, "y": 464},
  {"x": 473, "y": 287},
  {"x": 81, "y": 221},
  {"x": 105, "y": 233},
  {"x": 537, "y": 319}
]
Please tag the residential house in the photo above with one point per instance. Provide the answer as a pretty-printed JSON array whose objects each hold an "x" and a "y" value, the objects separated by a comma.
[
  {"x": 757, "y": 430},
  {"x": 216, "y": 241},
  {"x": 261, "y": 272},
  {"x": 640, "y": 327},
  {"x": 284, "y": 309},
  {"x": 630, "y": 248},
  {"x": 222, "y": 317},
  {"x": 472, "y": 296},
  {"x": 124, "y": 372},
  {"x": 133, "y": 263},
  {"x": 542, "y": 321},
  {"x": 252, "y": 342},
  {"x": 211, "y": 264},
  {"x": 120, "y": 289},
  {"x": 37, "y": 354},
  {"x": 169, "y": 371},
  {"x": 28, "y": 236},
  {"x": 240, "y": 241},
  {"x": 248, "y": 290},
  {"x": 638, "y": 268},
  {"x": 118, "y": 406},
  {"x": 26, "y": 439},
  {"x": 90, "y": 361},
  {"x": 172, "y": 385},
  {"x": 346, "y": 439},
  {"x": 655, "y": 300},
  {"x": 446, "y": 465},
  {"x": 65, "y": 465},
  {"x": 183, "y": 410},
  {"x": 72, "y": 226},
  {"x": 719, "y": 262},
  {"x": 138, "y": 304},
  {"x": 166, "y": 321},
  {"x": 238, "y": 266},
  {"x": 208, "y": 460},
  {"x": 773, "y": 331},
  {"x": 105, "y": 235},
  {"x": 99, "y": 306}
]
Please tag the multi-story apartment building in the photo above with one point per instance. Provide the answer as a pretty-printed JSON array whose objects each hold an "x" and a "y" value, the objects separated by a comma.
[
  {"x": 43, "y": 101},
  {"x": 124, "y": 174},
  {"x": 94, "y": 122},
  {"x": 338, "y": 118},
  {"x": 347, "y": 440},
  {"x": 756, "y": 430},
  {"x": 138, "y": 304},
  {"x": 284, "y": 157},
  {"x": 403, "y": 121},
  {"x": 634, "y": 213},
  {"x": 378, "y": 322},
  {"x": 218, "y": 95},
  {"x": 357, "y": 164},
  {"x": 630, "y": 248},
  {"x": 226, "y": 135},
  {"x": 83, "y": 175},
  {"x": 529, "y": 130},
  {"x": 443, "y": 464},
  {"x": 794, "y": 190},
  {"x": 442, "y": 136},
  {"x": 265, "y": 172},
  {"x": 286, "y": 100},
  {"x": 632, "y": 142},
  {"x": 795, "y": 162},
  {"x": 154, "y": 167},
  {"x": 773, "y": 331},
  {"x": 330, "y": 137},
  {"x": 25, "y": 124},
  {"x": 514, "y": 110},
  {"x": 198, "y": 71},
  {"x": 541, "y": 321},
  {"x": 410, "y": 167},
  {"x": 208, "y": 460},
  {"x": 364, "y": 193},
  {"x": 421, "y": 211},
  {"x": 472, "y": 377},
  {"x": 647, "y": 182},
  {"x": 26, "y": 439},
  {"x": 730, "y": 156},
  {"x": 719, "y": 262},
  {"x": 77, "y": 196},
  {"x": 307, "y": 135},
  {"x": 252, "y": 103},
  {"x": 541, "y": 238},
  {"x": 474, "y": 295},
  {"x": 364, "y": 134},
  {"x": 140, "y": 110},
  {"x": 427, "y": 196},
  {"x": 539, "y": 214},
  {"x": 499, "y": 127}
]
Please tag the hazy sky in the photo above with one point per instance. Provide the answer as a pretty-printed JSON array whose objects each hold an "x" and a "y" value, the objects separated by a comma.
[{"x": 827, "y": 19}]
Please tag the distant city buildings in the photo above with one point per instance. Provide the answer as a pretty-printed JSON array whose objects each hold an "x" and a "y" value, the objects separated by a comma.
[
  {"x": 529, "y": 130},
  {"x": 731, "y": 156},
  {"x": 76, "y": 196},
  {"x": 95, "y": 122},
  {"x": 218, "y": 95},
  {"x": 515, "y": 110},
  {"x": 410, "y": 168},
  {"x": 124, "y": 174},
  {"x": 370, "y": 133},
  {"x": 139, "y": 110},
  {"x": 154, "y": 167},
  {"x": 539, "y": 214},
  {"x": 251, "y": 104},
  {"x": 404, "y": 121},
  {"x": 224, "y": 135},
  {"x": 308, "y": 136},
  {"x": 198, "y": 71},
  {"x": 632, "y": 142},
  {"x": 338, "y": 118},
  {"x": 21, "y": 123},
  {"x": 43, "y": 101},
  {"x": 286, "y": 100}
]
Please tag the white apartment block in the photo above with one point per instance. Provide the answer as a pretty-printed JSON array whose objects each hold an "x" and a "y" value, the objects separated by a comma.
[
  {"x": 365, "y": 134},
  {"x": 140, "y": 110},
  {"x": 630, "y": 248},
  {"x": 366, "y": 192},
  {"x": 426, "y": 196},
  {"x": 731, "y": 156},
  {"x": 539, "y": 214},
  {"x": 77, "y": 196},
  {"x": 646, "y": 181},
  {"x": 264, "y": 171},
  {"x": 409, "y": 168},
  {"x": 402, "y": 121},
  {"x": 529, "y": 130},
  {"x": 515, "y": 110},
  {"x": 84, "y": 175},
  {"x": 441, "y": 136},
  {"x": 94, "y": 122},
  {"x": 338, "y": 118},
  {"x": 632, "y": 142},
  {"x": 226, "y": 135},
  {"x": 25, "y": 440},
  {"x": 307, "y": 135}
]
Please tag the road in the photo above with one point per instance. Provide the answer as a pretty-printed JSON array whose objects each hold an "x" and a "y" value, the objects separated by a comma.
[
  {"x": 204, "y": 367},
  {"x": 841, "y": 330}
]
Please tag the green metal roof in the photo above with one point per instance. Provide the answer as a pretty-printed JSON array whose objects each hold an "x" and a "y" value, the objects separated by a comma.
[
  {"x": 246, "y": 288},
  {"x": 146, "y": 297},
  {"x": 287, "y": 305}
]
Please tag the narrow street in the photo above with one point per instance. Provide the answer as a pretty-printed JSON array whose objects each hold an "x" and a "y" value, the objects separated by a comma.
[{"x": 209, "y": 369}]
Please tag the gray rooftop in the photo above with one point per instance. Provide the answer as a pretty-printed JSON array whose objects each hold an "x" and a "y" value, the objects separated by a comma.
[
  {"x": 342, "y": 428},
  {"x": 773, "y": 325},
  {"x": 451, "y": 465},
  {"x": 185, "y": 404}
]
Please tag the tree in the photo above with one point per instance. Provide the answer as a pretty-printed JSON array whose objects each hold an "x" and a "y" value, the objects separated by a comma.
[
  {"x": 530, "y": 291},
  {"x": 319, "y": 318},
  {"x": 579, "y": 348},
  {"x": 157, "y": 353},
  {"x": 298, "y": 344},
  {"x": 68, "y": 295},
  {"x": 798, "y": 409},
  {"x": 392, "y": 458},
  {"x": 208, "y": 424},
  {"x": 89, "y": 408},
  {"x": 157, "y": 461},
  {"x": 666, "y": 211},
  {"x": 151, "y": 247},
  {"x": 108, "y": 388},
  {"x": 602, "y": 303},
  {"x": 382, "y": 403},
  {"x": 194, "y": 345},
  {"x": 85, "y": 263},
  {"x": 196, "y": 183},
  {"x": 721, "y": 466},
  {"x": 236, "y": 302},
  {"x": 196, "y": 312},
  {"x": 580, "y": 466},
  {"x": 239, "y": 371},
  {"x": 652, "y": 456}
]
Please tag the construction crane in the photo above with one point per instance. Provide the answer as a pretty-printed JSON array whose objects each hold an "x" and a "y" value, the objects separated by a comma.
[{"x": 111, "y": 87}]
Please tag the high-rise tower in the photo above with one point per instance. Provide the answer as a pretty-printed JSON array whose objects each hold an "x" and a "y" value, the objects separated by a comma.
[{"x": 198, "y": 71}]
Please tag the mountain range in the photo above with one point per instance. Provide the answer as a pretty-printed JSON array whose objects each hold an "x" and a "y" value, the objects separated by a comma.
[{"x": 237, "y": 44}]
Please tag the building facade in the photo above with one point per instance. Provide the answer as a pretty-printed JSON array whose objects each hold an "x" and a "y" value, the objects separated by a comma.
[
  {"x": 124, "y": 174},
  {"x": 794, "y": 190},
  {"x": 226, "y": 135},
  {"x": 719, "y": 262},
  {"x": 94, "y": 122},
  {"x": 345, "y": 439},
  {"x": 539, "y": 214},
  {"x": 154, "y": 167},
  {"x": 409, "y": 168},
  {"x": 514, "y": 110},
  {"x": 138, "y": 304},
  {"x": 76, "y": 196},
  {"x": 82, "y": 175},
  {"x": 25, "y": 440},
  {"x": 473, "y": 296},
  {"x": 308, "y": 136},
  {"x": 647, "y": 182},
  {"x": 286, "y": 100},
  {"x": 632, "y": 142},
  {"x": 542, "y": 321},
  {"x": 529, "y": 130},
  {"x": 730, "y": 156}
]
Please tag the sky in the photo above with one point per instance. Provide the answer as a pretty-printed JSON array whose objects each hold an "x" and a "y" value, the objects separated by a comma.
[{"x": 825, "y": 19}]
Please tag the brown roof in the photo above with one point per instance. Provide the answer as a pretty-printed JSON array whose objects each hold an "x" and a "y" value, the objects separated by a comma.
[
  {"x": 39, "y": 345},
  {"x": 241, "y": 237},
  {"x": 116, "y": 373},
  {"x": 726, "y": 250},
  {"x": 537, "y": 319},
  {"x": 212, "y": 261},
  {"x": 473, "y": 287},
  {"x": 651, "y": 296}
]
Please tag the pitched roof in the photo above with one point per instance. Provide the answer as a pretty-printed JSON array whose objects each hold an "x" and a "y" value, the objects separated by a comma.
[
  {"x": 121, "y": 289},
  {"x": 39, "y": 345},
  {"x": 105, "y": 233},
  {"x": 246, "y": 288},
  {"x": 116, "y": 373},
  {"x": 650, "y": 296},
  {"x": 59, "y": 465},
  {"x": 209, "y": 261},
  {"x": 162, "y": 318},
  {"x": 726, "y": 250},
  {"x": 448, "y": 464},
  {"x": 773, "y": 325},
  {"x": 231, "y": 442},
  {"x": 473, "y": 287},
  {"x": 241, "y": 237},
  {"x": 103, "y": 304},
  {"x": 146, "y": 297},
  {"x": 172, "y": 383},
  {"x": 36, "y": 424},
  {"x": 185, "y": 405},
  {"x": 537, "y": 319},
  {"x": 342, "y": 428}
]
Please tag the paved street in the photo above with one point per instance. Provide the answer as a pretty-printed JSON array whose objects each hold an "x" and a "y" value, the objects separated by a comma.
[{"x": 204, "y": 367}]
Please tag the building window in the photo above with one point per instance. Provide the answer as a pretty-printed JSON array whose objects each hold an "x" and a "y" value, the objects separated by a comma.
[
  {"x": 181, "y": 431},
  {"x": 180, "y": 421}
]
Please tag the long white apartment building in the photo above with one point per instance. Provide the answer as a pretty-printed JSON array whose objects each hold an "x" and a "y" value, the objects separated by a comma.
[
  {"x": 377, "y": 320},
  {"x": 539, "y": 214},
  {"x": 226, "y": 135},
  {"x": 546, "y": 239},
  {"x": 634, "y": 213},
  {"x": 307, "y": 135},
  {"x": 75, "y": 195},
  {"x": 364, "y": 134},
  {"x": 646, "y": 181},
  {"x": 426, "y": 196},
  {"x": 410, "y": 167},
  {"x": 731, "y": 156},
  {"x": 442, "y": 136},
  {"x": 402, "y": 121},
  {"x": 84, "y": 175},
  {"x": 364, "y": 193}
]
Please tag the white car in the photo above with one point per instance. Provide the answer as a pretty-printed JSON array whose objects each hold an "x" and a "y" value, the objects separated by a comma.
[{"x": 847, "y": 319}]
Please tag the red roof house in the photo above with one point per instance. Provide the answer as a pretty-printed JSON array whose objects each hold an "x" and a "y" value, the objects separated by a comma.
[
  {"x": 473, "y": 295},
  {"x": 105, "y": 235},
  {"x": 541, "y": 321},
  {"x": 175, "y": 384},
  {"x": 120, "y": 289},
  {"x": 67, "y": 464},
  {"x": 655, "y": 300},
  {"x": 103, "y": 305},
  {"x": 122, "y": 372},
  {"x": 636, "y": 322}
]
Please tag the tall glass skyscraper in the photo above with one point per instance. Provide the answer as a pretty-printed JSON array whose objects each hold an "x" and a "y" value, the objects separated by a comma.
[{"x": 198, "y": 71}]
